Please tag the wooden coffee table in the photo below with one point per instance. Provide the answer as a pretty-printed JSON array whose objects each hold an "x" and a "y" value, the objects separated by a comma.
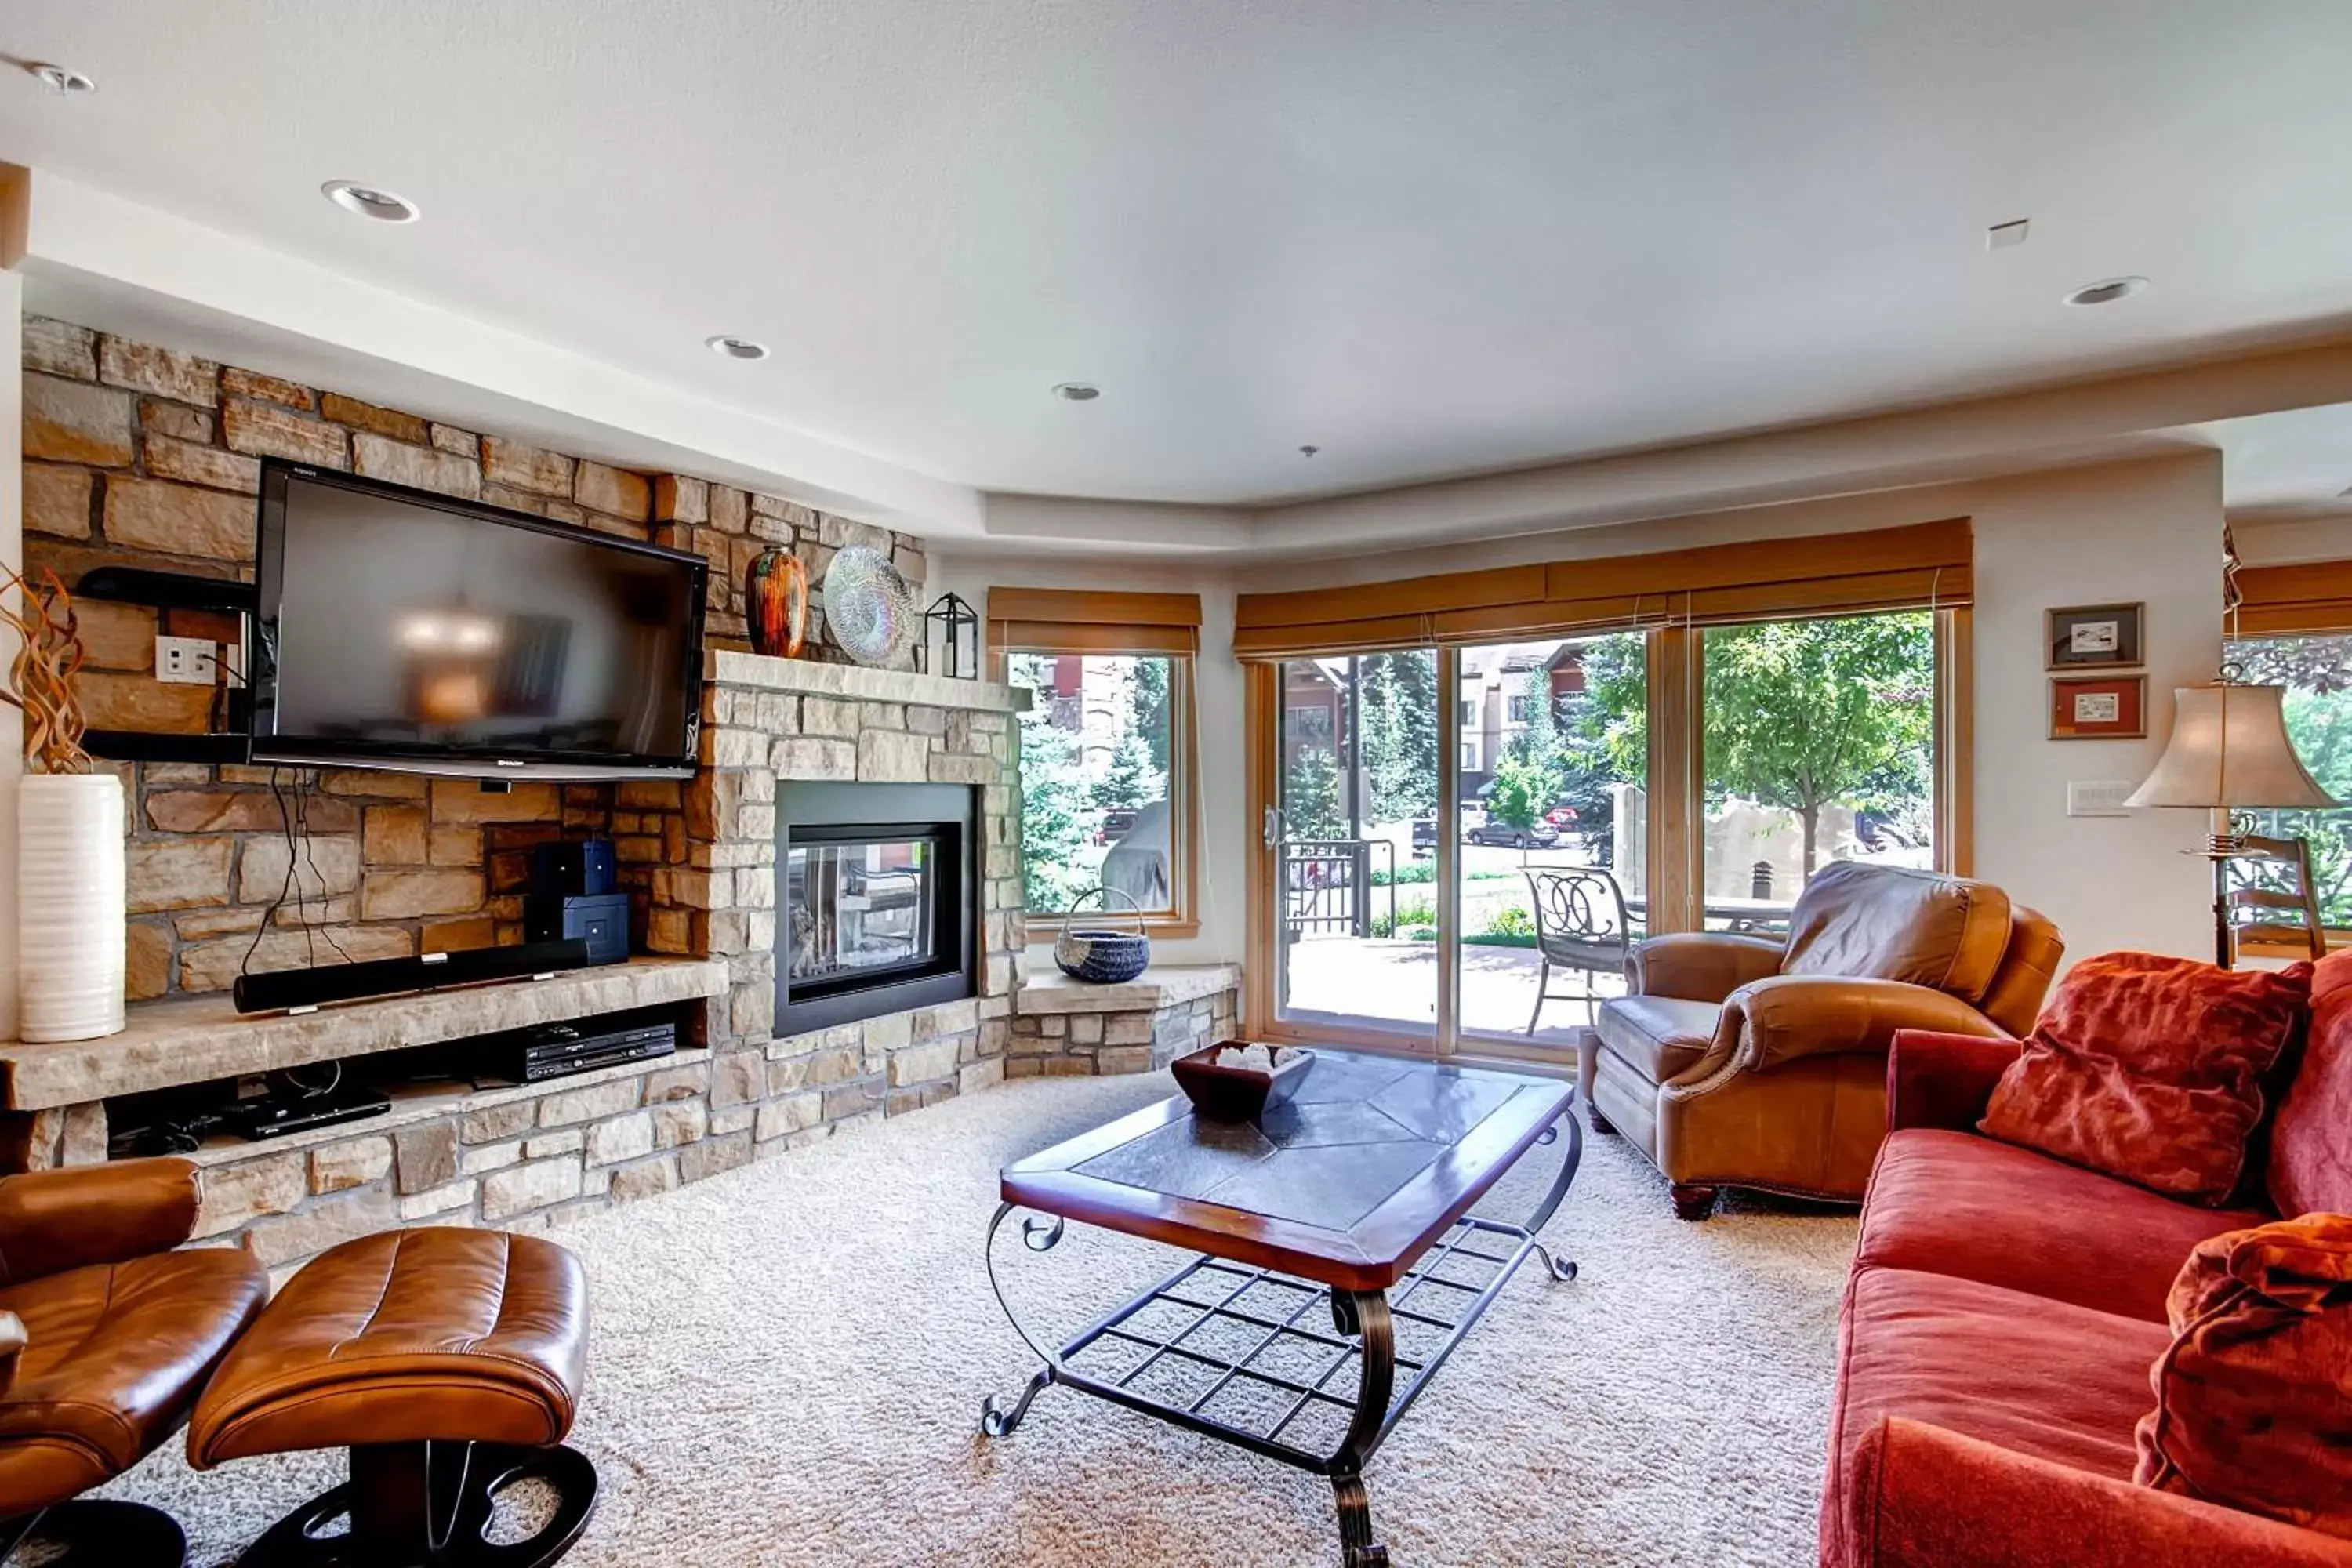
[{"x": 1350, "y": 1204}]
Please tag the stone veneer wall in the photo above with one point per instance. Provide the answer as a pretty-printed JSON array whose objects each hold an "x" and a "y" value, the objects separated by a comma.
[
  {"x": 137, "y": 455},
  {"x": 515, "y": 1159},
  {"x": 766, "y": 719},
  {"x": 1052, "y": 1038},
  {"x": 521, "y": 1158}
]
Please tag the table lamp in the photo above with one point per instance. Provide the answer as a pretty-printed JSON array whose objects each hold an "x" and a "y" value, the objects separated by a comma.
[{"x": 2229, "y": 751}]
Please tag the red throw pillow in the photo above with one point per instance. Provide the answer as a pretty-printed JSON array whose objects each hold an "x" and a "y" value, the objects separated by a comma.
[
  {"x": 2151, "y": 1069},
  {"x": 2311, "y": 1141},
  {"x": 2253, "y": 1397}
]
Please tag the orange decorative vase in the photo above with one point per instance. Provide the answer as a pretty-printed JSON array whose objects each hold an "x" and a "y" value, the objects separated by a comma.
[{"x": 776, "y": 603}]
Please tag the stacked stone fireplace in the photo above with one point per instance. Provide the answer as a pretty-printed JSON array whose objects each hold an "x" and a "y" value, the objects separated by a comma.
[{"x": 771, "y": 722}]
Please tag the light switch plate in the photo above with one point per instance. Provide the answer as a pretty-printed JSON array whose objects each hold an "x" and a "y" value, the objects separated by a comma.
[
  {"x": 2098, "y": 797},
  {"x": 186, "y": 661}
]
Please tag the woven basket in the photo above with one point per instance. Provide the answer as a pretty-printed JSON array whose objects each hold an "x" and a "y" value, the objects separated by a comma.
[{"x": 1103, "y": 957}]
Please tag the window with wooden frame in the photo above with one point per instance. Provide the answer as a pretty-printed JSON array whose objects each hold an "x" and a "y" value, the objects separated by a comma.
[
  {"x": 1839, "y": 721},
  {"x": 1109, "y": 752},
  {"x": 2295, "y": 629}
]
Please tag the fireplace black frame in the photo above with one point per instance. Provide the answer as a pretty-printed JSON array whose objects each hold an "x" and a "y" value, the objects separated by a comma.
[{"x": 945, "y": 815}]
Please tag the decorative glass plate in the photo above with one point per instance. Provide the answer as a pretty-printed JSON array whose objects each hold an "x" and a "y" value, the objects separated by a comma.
[{"x": 869, "y": 607}]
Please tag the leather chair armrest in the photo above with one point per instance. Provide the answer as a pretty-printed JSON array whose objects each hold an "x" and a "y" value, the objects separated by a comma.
[
  {"x": 1700, "y": 965},
  {"x": 51, "y": 1221},
  {"x": 1787, "y": 1016},
  {"x": 1918, "y": 1496},
  {"x": 1943, "y": 1080},
  {"x": 13, "y": 1340}
]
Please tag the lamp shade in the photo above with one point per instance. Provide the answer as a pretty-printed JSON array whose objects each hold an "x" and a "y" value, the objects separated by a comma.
[{"x": 2230, "y": 749}]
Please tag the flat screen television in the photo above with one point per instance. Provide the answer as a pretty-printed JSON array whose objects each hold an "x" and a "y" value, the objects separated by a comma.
[{"x": 399, "y": 629}]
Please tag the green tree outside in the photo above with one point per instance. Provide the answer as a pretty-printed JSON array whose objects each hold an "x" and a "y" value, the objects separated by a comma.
[
  {"x": 1128, "y": 777},
  {"x": 1398, "y": 733},
  {"x": 1055, "y": 820},
  {"x": 1311, "y": 796},
  {"x": 1801, "y": 714},
  {"x": 2317, "y": 673},
  {"x": 1524, "y": 790}
]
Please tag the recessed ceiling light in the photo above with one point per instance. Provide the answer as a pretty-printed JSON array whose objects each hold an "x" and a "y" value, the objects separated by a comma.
[
  {"x": 370, "y": 201},
  {"x": 58, "y": 79},
  {"x": 1075, "y": 392},
  {"x": 736, "y": 348},
  {"x": 2107, "y": 292}
]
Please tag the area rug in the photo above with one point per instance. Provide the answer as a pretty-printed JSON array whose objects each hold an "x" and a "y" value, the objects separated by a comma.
[{"x": 789, "y": 1360}]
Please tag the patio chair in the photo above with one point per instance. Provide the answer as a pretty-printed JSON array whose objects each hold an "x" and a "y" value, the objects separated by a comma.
[
  {"x": 2282, "y": 903},
  {"x": 1581, "y": 924}
]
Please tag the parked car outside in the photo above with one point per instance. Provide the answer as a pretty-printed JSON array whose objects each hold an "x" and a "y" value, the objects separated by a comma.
[
  {"x": 1539, "y": 836},
  {"x": 1561, "y": 818},
  {"x": 1118, "y": 821},
  {"x": 1425, "y": 837}
]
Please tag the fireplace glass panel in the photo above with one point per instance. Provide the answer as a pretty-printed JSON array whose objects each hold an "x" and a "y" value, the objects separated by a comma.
[{"x": 861, "y": 909}]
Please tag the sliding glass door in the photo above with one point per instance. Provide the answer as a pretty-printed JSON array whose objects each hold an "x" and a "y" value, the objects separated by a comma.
[
  {"x": 1463, "y": 845},
  {"x": 1552, "y": 813},
  {"x": 1353, "y": 840}
]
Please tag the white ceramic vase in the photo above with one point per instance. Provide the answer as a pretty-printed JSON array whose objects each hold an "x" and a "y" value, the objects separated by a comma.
[{"x": 69, "y": 906}]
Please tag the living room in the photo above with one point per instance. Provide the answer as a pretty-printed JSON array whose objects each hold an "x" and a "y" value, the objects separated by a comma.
[{"x": 1238, "y": 785}]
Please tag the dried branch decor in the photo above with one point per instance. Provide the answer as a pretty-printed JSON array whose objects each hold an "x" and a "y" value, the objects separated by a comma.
[{"x": 40, "y": 681}]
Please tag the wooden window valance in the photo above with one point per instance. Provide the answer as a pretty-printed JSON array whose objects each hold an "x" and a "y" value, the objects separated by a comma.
[
  {"x": 2285, "y": 601},
  {"x": 1077, "y": 620},
  {"x": 1915, "y": 567}
]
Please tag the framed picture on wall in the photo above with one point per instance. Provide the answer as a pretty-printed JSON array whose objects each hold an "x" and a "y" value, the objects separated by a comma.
[
  {"x": 2098, "y": 708},
  {"x": 2094, "y": 637}
]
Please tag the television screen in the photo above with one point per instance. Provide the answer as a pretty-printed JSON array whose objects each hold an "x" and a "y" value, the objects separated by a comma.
[{"x": 403, "y": 628}]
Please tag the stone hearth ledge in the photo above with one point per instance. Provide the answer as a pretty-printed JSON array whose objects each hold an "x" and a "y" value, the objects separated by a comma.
[
  {"x": 168, "y": 1044},
  {"x": 1051, "y": 991},
  {"x": 727, "y": 668}
]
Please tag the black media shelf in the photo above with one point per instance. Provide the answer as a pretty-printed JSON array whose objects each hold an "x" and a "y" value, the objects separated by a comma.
[{"x": 169, "y": 591}]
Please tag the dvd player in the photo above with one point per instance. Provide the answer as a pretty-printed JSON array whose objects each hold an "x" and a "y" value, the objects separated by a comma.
[
  {"x": 280, "y": 1113},
  {"x": 555, "y": 1050}
]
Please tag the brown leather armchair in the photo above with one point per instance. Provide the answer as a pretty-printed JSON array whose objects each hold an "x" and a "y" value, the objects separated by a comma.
[
  {"x": 106, "y": 1337},
  {"x": 1736, "y": 1061}
]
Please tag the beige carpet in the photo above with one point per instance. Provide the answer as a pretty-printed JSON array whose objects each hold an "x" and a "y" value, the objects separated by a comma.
[{"x": 789, "y": 1362}]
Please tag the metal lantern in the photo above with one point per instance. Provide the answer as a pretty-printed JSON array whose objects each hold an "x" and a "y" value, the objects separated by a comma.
[{"x": 950, "y": 643}]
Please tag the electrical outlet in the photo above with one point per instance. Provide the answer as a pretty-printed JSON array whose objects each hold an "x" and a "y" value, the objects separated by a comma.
[
  {"x": 186, "y": 661},
  {"x": 2098, "y": 797}
]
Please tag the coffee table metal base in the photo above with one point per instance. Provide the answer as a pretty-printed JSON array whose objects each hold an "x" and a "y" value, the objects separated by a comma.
[{"x": 1198, "y": 1314}]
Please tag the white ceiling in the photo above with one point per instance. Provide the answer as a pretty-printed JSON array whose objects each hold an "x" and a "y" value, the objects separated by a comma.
[
  {"x": 2292, "y": 464},
  {"x": 1429, "y": 238}
]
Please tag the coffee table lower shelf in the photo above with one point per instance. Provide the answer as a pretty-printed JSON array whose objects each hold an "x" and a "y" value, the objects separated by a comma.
[{"x": 1256, "y": 1336}]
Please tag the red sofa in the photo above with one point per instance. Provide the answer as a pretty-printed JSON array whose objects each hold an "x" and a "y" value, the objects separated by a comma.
[{"x": 1997, "y": 1330}]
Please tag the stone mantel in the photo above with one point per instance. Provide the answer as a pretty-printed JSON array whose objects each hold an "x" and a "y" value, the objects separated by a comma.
[
  {"x": 860, "y": 682},
  {"x": 168, "y": 1044}
]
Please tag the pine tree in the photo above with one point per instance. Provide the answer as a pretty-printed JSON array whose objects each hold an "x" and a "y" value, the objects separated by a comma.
[
  {"x": 1311, "y": 796},
  {"x": 1128, "y": 779},
  {"x": 1147, "y": 713}
]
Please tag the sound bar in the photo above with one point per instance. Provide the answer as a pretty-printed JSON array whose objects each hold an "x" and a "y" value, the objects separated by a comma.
[{"x": 292, "y": 989}]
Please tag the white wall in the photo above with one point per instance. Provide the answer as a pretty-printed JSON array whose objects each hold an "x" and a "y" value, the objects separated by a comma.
[
  {"x": 1224, "y": 920},
  {"x": 2148, "y": 530}
]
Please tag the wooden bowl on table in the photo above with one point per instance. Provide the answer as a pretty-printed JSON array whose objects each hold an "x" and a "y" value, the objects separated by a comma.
[{"x": 1227, "y": 1091}]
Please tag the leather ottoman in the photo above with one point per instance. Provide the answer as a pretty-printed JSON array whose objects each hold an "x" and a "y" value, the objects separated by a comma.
[{"x": 448, "y": 1362}]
